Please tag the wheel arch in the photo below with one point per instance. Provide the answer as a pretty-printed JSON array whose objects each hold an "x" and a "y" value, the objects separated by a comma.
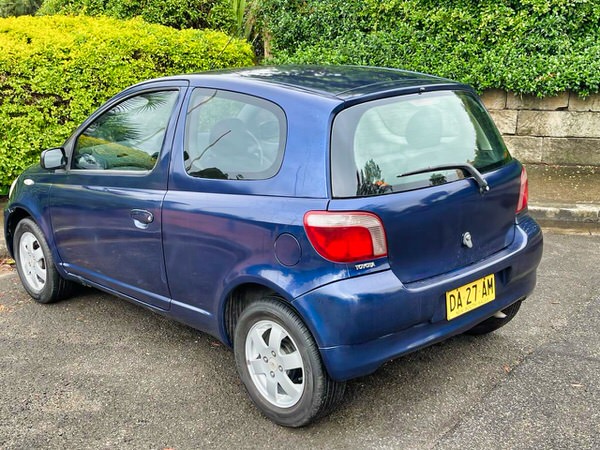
[
  {"x": 18, "y": 213},
  {"x": 12, "y": 220},
  {"x": 239, "y": 298}
]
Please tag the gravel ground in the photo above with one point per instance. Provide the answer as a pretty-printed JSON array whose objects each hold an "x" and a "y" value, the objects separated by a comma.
[{"x": 97, "y": 372}]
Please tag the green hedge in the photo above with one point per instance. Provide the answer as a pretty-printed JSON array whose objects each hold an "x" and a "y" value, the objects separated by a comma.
[
  {"x": 55, "y": 70},
  {"x": 540, "y": 47},
  {"x": 18, "y": 7},
  {"x": 214, "y": 14}
]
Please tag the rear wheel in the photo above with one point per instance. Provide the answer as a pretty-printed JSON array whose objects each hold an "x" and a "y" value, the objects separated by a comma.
[
  {"x": 493, "y": 323},
  {"x": 35, "y": 264},
  {"x": 280, "y": 365}
]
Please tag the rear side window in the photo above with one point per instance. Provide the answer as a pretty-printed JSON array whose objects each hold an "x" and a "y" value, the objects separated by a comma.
[
  {"x": 233, "y": 136},
  {"x": 374, "y": 144}
]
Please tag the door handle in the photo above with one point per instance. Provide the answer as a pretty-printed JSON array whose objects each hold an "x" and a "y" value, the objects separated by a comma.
[{"x": 141, "y": 218}]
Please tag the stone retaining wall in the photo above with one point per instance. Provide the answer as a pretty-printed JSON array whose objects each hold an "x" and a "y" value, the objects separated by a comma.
[{"x": 555, "y": 130}]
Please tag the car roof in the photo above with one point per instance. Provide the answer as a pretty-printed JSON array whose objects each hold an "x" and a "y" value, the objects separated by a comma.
[{"x": 341, "y": 82}]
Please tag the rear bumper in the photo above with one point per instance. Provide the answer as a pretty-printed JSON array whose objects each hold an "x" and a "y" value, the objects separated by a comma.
[{"x": 362, "y": 322}]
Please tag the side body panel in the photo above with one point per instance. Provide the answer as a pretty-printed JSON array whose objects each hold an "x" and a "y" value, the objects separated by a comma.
[
  {"x": 94, "y": 224},
  {"x": 219, "y": 234}
]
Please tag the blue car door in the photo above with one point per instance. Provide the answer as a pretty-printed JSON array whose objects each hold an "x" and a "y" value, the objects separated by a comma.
[{"x": 105, "y": 208}]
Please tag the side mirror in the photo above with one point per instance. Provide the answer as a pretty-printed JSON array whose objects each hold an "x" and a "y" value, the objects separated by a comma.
[{"x": 53, "y": 158}]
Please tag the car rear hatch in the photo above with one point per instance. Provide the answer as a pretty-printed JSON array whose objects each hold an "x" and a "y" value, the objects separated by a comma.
[{"x": 434, "y": 169}]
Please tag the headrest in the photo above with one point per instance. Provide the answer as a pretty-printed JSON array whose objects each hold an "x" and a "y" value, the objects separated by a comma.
[{"x": 424, "y": 128}]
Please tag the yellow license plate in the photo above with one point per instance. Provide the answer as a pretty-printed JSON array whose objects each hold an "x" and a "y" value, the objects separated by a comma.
[{"x": 470, "y": 296}]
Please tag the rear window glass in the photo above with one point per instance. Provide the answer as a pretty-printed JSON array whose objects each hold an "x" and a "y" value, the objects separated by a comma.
[{"x": 375, "y": 144}]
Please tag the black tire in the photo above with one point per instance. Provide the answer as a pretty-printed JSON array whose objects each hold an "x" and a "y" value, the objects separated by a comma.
[
  {"x": 29, "y": 238},
  {"x": 493, "y": 323},
  {"x": 314, "y": 393}
]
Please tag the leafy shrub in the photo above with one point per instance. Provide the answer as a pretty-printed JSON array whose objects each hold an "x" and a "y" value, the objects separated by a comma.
[
  {"x": 55, "y": 70},
  {"x": 18, "y": 7},
  {"x": 533, "y": 46},
  {"x": 214, "y": 14}
]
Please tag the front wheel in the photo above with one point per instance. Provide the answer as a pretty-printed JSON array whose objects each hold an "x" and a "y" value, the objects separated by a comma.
[
  {"x": 280, "y": 365},
  {"x": 35, "y": 264}
]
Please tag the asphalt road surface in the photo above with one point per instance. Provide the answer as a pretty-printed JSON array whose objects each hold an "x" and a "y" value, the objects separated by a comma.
[{"x": 98, "y": 372}]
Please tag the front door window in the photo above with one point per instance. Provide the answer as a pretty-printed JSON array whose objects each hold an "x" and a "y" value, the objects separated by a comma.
[{"x": 128, "y": 136}]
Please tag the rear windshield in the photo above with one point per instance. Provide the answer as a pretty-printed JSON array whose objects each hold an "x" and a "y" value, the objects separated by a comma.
[{"x": 375, "y": 144}]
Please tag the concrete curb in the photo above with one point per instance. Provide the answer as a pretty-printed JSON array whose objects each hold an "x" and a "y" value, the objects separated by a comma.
[{"x": 567, "y": 214}]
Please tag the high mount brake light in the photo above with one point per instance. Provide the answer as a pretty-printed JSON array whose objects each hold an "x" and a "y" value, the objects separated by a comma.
[
  {"x": 346, "y": 236},
  {"x": 523, "y": 192}
]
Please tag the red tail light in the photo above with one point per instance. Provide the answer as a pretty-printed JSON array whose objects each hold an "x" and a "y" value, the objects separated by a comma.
[
  {"x": 523, "y": 192},
  {"x": 346, "y": 236}
]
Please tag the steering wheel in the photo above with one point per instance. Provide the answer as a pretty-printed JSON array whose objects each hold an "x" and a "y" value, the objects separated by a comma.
[{"x": 256, "y": 149}]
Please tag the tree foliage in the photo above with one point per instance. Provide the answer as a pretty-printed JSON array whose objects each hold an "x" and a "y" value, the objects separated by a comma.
[
  {"x": 213, "y": 14},
  {"x": 539, "y": 47},
  {"x": 55, "y": 70}
]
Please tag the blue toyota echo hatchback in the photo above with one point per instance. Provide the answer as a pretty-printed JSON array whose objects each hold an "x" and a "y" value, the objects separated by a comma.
[{"x": 319, "y": 220}]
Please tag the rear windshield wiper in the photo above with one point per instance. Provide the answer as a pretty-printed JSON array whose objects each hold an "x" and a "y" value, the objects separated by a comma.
[{"x": 465, "y": 167}]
